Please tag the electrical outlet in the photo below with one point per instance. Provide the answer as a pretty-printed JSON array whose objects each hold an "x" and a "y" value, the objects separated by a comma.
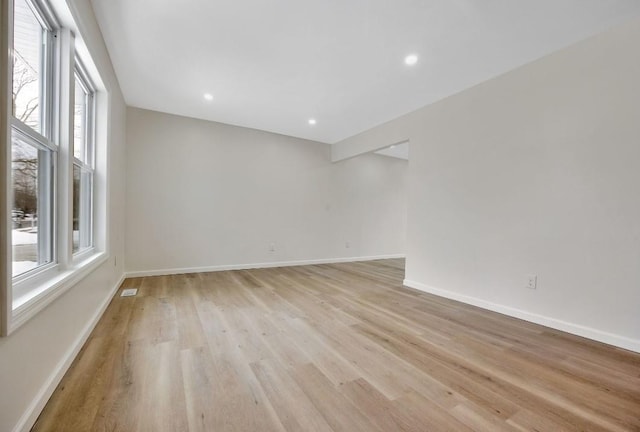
[
  {"x": 347, "y": 245},
  {"x": 272, "y": 247},
  {"x": 115, "y": 261},
  {"x": 532, "y": 281}
]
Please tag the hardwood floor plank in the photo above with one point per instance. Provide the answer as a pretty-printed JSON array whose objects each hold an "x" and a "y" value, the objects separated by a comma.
[
  {"x": 118, "y": 412},
  {"x": 479, "y": 419},
  {"x": 294, "y": 409},
  {"x": 163, "y": 405},
  {"x": 375, "y": 406},
  {"x": 429, "y": 415},
  {"x": 339, "y": 413}
]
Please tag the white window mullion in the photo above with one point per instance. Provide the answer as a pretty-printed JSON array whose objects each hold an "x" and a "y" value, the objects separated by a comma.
[
  {"x": 6, "y": 294},
  {"x": 46, "y": 198},
  {"x": 65, "y": 136},
  {"x": 86, "y": 205}
]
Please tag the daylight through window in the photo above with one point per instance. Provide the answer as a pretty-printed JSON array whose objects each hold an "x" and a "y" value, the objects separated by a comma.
[
  {"x": 83, "y": 149},
  {"x": 33, "y": 154}
]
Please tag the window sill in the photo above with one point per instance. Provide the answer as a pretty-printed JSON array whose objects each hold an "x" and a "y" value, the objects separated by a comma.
[{"x": 28, "y": 305}]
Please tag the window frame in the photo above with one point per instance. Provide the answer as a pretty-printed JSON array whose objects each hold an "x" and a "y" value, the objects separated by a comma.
[
  {"x": 46, "y": 198},
  {"x": 47, "y": 19},
  {"x": 24, "y": 297},
  {"x": 45, "y": 140},
  {"x": 86, "y": 166}
]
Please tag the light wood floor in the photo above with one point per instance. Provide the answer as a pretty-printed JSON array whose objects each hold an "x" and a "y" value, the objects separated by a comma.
[{"x": 339, "y": 347}]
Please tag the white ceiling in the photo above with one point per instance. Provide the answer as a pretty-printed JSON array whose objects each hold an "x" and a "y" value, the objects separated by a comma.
[{"x": 273, "y": 64}]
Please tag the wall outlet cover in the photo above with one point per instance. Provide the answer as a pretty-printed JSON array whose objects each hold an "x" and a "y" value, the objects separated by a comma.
[{"x": 532, "y": 281}]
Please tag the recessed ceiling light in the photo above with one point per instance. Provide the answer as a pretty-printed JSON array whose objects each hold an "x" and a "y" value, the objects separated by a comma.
[
  {"x": 411, "y": 59},
  {"x": 312, "y": 122},
  {"x": 208, "y": 96}
]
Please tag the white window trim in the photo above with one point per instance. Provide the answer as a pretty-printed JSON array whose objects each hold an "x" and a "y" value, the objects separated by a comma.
[
  {"x": 35, "y": 290},
  {"x": 45, "y": 291},
  {"x": 6, "y": 11},
  {"x": 33, "y": 135}
]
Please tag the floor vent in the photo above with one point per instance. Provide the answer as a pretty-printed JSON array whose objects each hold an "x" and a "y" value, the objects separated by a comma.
[{"x": 129, "y": 292}]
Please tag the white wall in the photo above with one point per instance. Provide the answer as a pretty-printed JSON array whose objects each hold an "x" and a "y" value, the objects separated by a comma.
[
  {"x": 34, "y": 357},
  {"x": 203, "y": 194},
  {"x": 534, "y": 172}
]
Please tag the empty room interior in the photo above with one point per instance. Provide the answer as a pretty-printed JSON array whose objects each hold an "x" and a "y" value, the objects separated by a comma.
[{"x": 366, "y": 215}]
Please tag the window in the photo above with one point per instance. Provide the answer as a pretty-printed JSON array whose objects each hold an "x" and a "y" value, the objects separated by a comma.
[
  {"x": 29, "y": 60},
  {"x": 83, "y": 149},
  {"x": 57, "y": 195},
  {"x": 33, "y": 154},
  {"x": 32, "y": 177}
]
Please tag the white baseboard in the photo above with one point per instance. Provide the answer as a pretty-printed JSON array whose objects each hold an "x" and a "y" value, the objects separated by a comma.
[
  {"x": 30, "y": 416},
  {"x": 576, "y": 329},
  {"x": 173, "y": 271}
]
